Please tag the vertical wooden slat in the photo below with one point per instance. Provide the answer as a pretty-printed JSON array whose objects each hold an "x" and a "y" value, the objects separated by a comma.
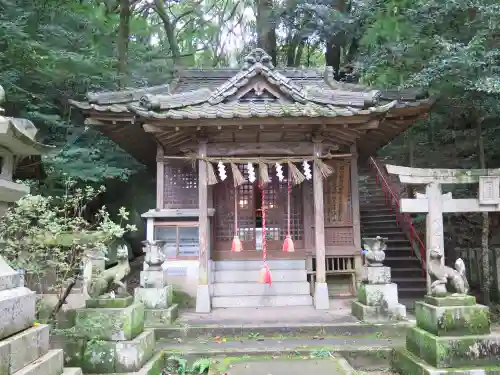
[
  {"x": 355, "y": 198},
  {"x": 356, "y": 226},
  {"x": 308, "y": 215},
  {"x": 203, "y": 212},
  {"x": 160, "y": 177},
  {"x": 319, "y": 218}
]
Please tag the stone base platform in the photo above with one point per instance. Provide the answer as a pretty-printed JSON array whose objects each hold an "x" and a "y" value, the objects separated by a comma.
[
  {"x": 453, "y": 351},
  {"x": 160, "y": 317},
  {"x": 404, "y": 362},
  {"x": 155, "y": 298},
  {"x": 111, "y": 323},
  {"x": 378, "y": 313},
  {"x": 27, "y": 353},
  {"x": 116, "y": 356},
  {"x": 452, "y": 336},
  {"x": 113, "y": 339}
]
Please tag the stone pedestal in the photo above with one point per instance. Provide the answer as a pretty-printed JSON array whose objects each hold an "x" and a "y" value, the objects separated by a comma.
[
  {"x": 157, "y": 298},
  {"x": 113, "y": 339},
  {"x": 24, "y": 345},
  {"x": 452, "y": 336},
  {"x": 378, "y": 297}
]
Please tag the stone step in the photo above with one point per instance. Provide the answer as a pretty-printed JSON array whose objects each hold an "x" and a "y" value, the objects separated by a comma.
[
  {"x": 379, "y": 224},
  {"x": 398, "y": 253},
  {"x": 377, "y": 217},
  {"x": 407, "y": 272},
  {"x": 72, "y": 371},
  {"x": 18, "y": 310},
  {"x": 224, "y": 265},
  {"x": 25, "y": 347},
  {"x": 50, "y": 363},
  {"x": 238, "y": 276},
  {"x": 258, "y": 289},
  {"x": 387, "y": 232},
  {"x": 367, "y": 210},
  {"x": 409, "y": 283},
  {"x": 412, "y": 292},
  {"x": 262, "y": 301}
]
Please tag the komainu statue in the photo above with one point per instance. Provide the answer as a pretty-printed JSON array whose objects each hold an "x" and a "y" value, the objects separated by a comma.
[
  {"x": 98, "y": 284},
  {"x": 442, "y": 275},
  {"x": 374, "y": 250}
]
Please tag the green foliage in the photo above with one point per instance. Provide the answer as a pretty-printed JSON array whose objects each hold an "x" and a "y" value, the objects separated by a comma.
[
  {"x": 48, "y": 237},
  {"x": 179, "y": 365}
]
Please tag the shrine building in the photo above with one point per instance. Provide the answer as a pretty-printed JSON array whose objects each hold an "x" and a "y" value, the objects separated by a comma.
[{"x": 246, "y": 157}]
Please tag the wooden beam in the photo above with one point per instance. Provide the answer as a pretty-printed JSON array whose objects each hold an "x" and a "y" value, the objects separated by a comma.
[
  {"x": 260, "y": 148},
  {"x": 421, "y": 205}
]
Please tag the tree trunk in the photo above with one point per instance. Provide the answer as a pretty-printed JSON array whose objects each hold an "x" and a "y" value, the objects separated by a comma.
[
  {"x": 334, "y": 44},
  {"x": 168, "y": 26},
  {"x": 123, "y": 38},
  {"x": 485, "y": 232},
  {"x": 266, "y": 28}
]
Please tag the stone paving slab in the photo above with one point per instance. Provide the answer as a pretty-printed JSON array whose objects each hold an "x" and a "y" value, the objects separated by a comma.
[
  {"x": 292, "y": 367},
  {"x": 256, "y": 347},
  {"x": 339, "y": 312}
]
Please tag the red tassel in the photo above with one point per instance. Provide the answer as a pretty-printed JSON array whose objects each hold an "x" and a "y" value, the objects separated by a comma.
[
  {"x": 288, "y": 246},
  {"x": 236, "y": 246},
  {"x": 265, "y": 275}
]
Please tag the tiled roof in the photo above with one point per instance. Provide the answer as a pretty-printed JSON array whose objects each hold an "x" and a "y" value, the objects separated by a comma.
[
  {"x": 249, "y": 110},
  {"x": 197, "y": 94}
]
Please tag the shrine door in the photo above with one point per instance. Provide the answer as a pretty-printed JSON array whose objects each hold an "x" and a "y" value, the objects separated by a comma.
[{"x": 249, "y": 204}]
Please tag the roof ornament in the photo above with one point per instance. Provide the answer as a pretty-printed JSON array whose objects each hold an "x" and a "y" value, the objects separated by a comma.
[{"x": 258, "y": 55}]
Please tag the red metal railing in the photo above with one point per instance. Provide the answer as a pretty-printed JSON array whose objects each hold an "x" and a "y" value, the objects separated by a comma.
[{"x": 392, "y": 199}]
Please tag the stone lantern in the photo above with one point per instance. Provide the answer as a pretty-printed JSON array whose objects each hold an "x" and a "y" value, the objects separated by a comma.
[
  {"x": 24, "y": 345},
  {"x": 17, "y": 141}
]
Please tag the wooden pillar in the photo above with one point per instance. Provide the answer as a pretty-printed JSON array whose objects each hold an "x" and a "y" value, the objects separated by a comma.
[
  {"x": 203, "y": 293},
  {"x": 160, "y": 177},
  {"x": 356, "y": 226},
  {"x": 320, "y": 290},
  {"x": 434, "y": 224}
]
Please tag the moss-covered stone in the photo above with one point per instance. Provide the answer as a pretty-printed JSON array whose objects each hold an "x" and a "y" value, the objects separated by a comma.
[
  {"x": 405, "y": 363},
  {"x": 362, "y": 294},
  {"x": 161, "y": 317},
  {"x": 107, "y": 357},
  {"x": 99, "y": 357},
  {"x": 154, "y": 366},
  {"x": 453, "y": 320},
  {"x": 443, "y": 352},
  {"x": 450, "y": 300},
  {"x": 112, "y": 303},
  {"x": 114, "y": 324},
  {"x": 364, "y": 312},
  {"x": 73, "y": 348},
  {"x": 132, "y": 355}
]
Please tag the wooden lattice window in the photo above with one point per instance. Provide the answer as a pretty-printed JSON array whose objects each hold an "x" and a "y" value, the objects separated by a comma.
[
  {"x": 337, "y": 195},
  {"x": 224, "y": 213},
  {"x": 180, "y": 186}
]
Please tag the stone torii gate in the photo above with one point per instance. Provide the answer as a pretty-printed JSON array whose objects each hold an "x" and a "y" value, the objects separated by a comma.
[{"x": 434, "y": 203}]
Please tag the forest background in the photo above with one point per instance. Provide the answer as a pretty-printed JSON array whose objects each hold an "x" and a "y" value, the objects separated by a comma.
[{"x": 55, "y": 50}]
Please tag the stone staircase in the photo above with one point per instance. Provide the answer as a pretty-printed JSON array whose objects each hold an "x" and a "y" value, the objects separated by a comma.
[
  {"x": 236, "y": 284},
  {"x": 378, "y": 219}
]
